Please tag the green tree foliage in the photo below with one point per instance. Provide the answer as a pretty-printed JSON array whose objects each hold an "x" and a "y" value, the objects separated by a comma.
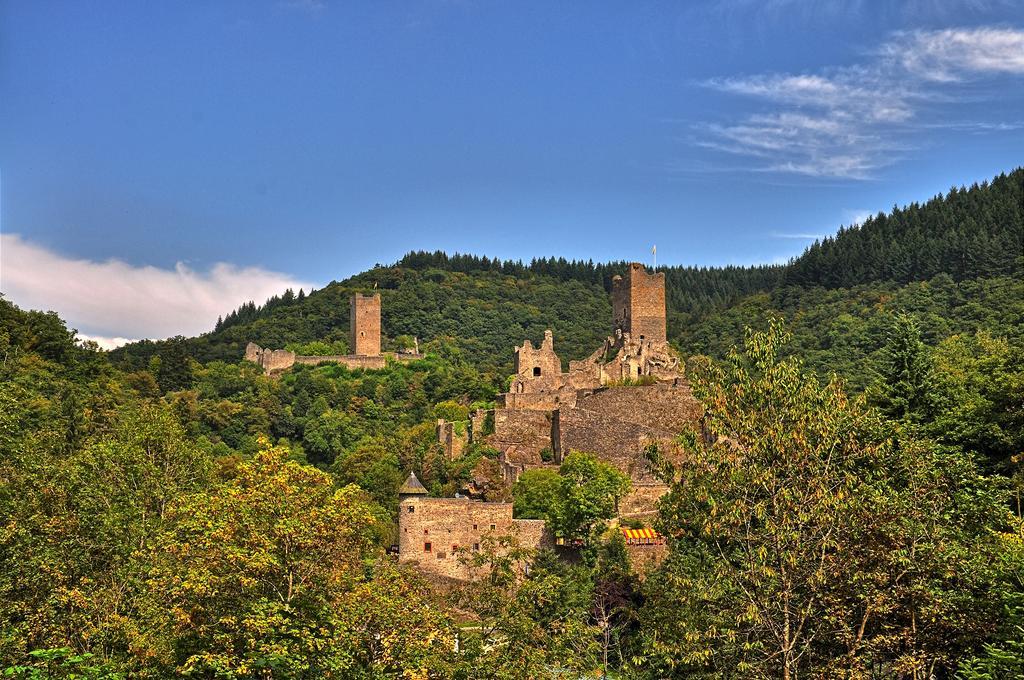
[
  {"x": 905, "y": 377},
  {"x": 258, "y": 578},
  {"x": 532, "y": 626},
  {"x": 1002, "y": 657},
  {"x": 967, "y": 231},
  {"x": 575, "y": 500},
  {"x": 810, "y": 537},
  {"x": 536, "y": 493},
  {"x": 175, "y": 372},
  {"x": 978, "y": 397}
]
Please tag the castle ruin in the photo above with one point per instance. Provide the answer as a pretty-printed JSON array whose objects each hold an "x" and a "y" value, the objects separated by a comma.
[
  {"x": 364, "y": 325},
  {"x": 364, "y": 340},
  {"x": 627, "y": 396}
]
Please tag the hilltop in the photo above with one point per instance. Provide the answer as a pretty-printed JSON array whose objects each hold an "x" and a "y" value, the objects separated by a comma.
[{"x": 955, "y": 261}]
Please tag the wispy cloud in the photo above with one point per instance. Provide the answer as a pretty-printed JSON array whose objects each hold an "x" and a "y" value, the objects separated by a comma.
[
  {"x": 858, "y": 216},
  {"x": 850, "y": 122},
  {"x": 113, "y": 302},
  {"x": 797, "y": 236},
  {"x": 956, "y": 54}
]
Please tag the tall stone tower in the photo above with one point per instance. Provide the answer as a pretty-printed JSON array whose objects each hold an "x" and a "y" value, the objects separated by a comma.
[
  {"x": 638, "y": 304},
  {"x": 364, "y": 324}
]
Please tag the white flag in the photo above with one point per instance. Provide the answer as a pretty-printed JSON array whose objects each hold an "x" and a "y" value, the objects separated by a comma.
[{"x": 654, "y": 250}]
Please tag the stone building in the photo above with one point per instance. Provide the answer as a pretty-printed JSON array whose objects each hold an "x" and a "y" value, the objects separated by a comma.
[
  {"x": 629, "y": 394},
  {"x": 364, "y": 336},
  {"x": 638, "y": 304},
  {"x": 364, "y": 325},
  {"x": 439, "y": 535}
]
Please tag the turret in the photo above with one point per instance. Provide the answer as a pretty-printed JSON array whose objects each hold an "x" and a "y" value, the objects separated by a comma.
[{"x": 411, "y": 487}]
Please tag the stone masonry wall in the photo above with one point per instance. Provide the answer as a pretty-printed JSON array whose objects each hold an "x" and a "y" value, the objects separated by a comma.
[
  {"x": 614, "y": 441},
  {"x": 364, "y": 324},
  {"x": 521, "y": 434},
  {"x": 667, "y": 407},
  {"x": 639, "y": 503},
  {"x": 350, "y": 360},
  {"x": 638, "y": 304},
  {"x": 644, "y": 558},
  {"x": 453, "y": 525},
  {"x": 454, "y": 443}
]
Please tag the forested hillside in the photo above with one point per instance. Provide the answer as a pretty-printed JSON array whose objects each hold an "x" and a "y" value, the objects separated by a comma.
[
  {"x": 957, "y": 261},
  {"x": 168, "y": 510},
  {"x": 202, "y": 519}
]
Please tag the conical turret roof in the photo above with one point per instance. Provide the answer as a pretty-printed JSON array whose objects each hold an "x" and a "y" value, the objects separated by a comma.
[{"x": 412, "y": 486}]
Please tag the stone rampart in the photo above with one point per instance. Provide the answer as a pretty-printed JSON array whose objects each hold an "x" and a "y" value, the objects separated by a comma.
[
  {"x": 669, "y": 408},
  {"x": 614, "y": 441},
  {"x": 278, "y": 360},
  {"x": 521, "y": 434}
]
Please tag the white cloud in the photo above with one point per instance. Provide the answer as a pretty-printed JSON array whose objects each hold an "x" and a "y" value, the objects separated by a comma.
[
  {"x": 956, "y": 53},
  {"x": 105, "y": 342},
  {"x": 852, "y": 217},
  {"x": 113, "y": 301},
  {"x": 797, "y": 236},
  {"x": 850, "y": 122}
]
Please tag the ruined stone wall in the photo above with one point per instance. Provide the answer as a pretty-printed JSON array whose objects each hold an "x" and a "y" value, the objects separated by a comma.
[
  {"x": 539, "y": 401},
  {"x": 270, "y": 360},
  {"x": 644, "y": 558},
  {"x": 640, "y": 502},
  {"x": 364, "y": 324},
  {"x": 453, "y": 525},
  {"x": 277, "y": 360},
  {"x": 667, "y": 407},
  {"x": 350, "y": 360},
  {"x": 453, "y": 441},
  {"x": 614, "y": 441},
  {"x": 521, "y": 434},
  {"x": 638, "y": 304},
  {"x": 481, "y": 425},
  {"x": 538, "y": 368}
]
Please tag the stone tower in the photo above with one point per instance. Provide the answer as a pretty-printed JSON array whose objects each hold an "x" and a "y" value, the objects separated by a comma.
[
  {"x": 638, "y": 304},
  {"x": 364, "y": 320}
]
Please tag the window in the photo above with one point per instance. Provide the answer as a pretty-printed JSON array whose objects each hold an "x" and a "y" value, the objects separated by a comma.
[
  {"x": 476, "y": 547},
  {"x": 641, "y": 337},
  {"x": 492, "y": 527},
  {"x": 474, "y": 527},
  {"x": 455, "y": 547},
  {"x": 426, "y": 531},
  {"x": 426, "y": 547},
  {"x": 412, "y": 508},
  {"x": 362, "y": 334},
  {"x": 536, "y": 370}
]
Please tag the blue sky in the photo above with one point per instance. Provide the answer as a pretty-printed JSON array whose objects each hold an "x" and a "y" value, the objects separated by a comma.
[{"x": 203, "y": 154}]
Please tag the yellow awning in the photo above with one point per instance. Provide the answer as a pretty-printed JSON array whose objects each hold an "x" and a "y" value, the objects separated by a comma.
[{"x": 633, "y": 534}]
